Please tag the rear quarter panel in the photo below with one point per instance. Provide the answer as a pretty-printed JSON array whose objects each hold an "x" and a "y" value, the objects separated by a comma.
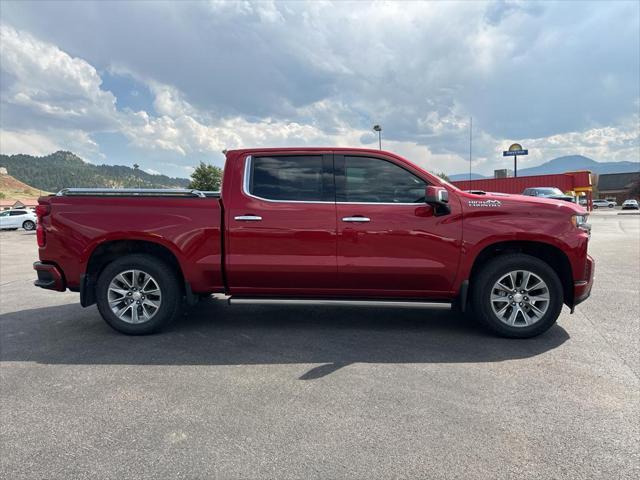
[{"x": 189, "y": 227}]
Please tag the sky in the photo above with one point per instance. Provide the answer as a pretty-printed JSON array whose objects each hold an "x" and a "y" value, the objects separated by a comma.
[{"x": 169, "y": 84}]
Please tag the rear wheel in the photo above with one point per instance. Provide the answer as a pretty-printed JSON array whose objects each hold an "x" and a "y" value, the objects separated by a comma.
[
  {"x": 138, "y": 294},
  {"x": 517, "y": 296},
  {"x": 29, "y": 225}
]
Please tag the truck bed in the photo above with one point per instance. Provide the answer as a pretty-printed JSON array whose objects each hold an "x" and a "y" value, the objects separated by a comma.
[{"x": 187, "y": 223}]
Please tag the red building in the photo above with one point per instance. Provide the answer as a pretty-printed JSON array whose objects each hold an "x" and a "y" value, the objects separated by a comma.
[{"x": 574, "y": 183}]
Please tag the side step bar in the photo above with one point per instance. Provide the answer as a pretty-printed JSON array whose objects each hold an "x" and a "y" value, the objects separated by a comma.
[{"x": 350, "y": 303}]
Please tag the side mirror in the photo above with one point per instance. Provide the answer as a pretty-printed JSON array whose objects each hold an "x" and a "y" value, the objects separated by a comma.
[{"x": 438, "y": 198}]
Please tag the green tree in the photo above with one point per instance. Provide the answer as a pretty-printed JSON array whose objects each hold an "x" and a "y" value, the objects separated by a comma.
[
  {"x": 206, "y": 177},
  {"x": 443, "y": 176}
]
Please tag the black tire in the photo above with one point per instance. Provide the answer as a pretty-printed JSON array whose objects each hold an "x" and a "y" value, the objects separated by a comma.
[
  {"x": 482, "y": 286},
  {"x": 29, "y": 225},
  {"x": 595, "y": 207},
  {"x": 167, "y": 280},
  {"x": 610, "y": 206}
]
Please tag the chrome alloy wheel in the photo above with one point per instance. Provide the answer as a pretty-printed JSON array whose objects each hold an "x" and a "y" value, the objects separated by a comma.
[
  {"x": 520, "y": 298},
  {"x": 134, "y": 296}
]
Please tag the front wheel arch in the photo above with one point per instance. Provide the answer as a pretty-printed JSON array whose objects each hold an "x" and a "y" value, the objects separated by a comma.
[
  {"x": 548, "y": 253},
  {"x": 526, "y": 273}
]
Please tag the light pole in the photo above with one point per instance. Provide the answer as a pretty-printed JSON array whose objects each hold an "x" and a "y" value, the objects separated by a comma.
[{"x": 378, "y": 128}]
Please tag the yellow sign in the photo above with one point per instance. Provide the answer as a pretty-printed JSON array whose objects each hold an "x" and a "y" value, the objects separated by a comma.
[{"x": 515, "y": 146}]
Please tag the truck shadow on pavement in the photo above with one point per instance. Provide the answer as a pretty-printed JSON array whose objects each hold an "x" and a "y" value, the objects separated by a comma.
[{"x": 212, "y": 333}]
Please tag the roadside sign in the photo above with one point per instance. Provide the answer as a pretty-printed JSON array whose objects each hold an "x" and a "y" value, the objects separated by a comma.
[
  {"x": 514, "y": 153},
  {"x": 514, "y": 150}
]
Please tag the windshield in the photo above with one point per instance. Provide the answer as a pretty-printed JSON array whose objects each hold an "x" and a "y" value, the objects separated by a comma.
[{"x": 543, "y": 192}]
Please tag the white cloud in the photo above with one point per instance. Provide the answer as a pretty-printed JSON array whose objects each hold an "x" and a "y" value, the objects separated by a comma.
[
  {"x": 233, "y": 74},
  {"x": 44, "y": 85},
  {"x": 44, "y": 142},
  {"x": 31, "y": 143}
]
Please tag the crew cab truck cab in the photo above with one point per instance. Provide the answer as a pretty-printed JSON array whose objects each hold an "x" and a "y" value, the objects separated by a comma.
[{"x": 322, "y": 225}]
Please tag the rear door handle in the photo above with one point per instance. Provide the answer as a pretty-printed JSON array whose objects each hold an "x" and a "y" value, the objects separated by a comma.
[
  {"x": 248, "y": 218},
  {"x": 356, "y": 219}
]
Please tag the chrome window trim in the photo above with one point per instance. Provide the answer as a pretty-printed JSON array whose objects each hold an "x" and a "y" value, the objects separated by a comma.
[
  {"x": 382, "y": 203},
  {"x": 245, "y": 189}
]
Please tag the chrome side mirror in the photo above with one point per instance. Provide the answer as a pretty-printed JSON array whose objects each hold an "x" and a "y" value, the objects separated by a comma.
[{"x": 438, "y": 198}]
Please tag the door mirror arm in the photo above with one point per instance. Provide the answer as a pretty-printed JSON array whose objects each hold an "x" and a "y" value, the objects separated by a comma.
[{"x": 438, "y": 198}]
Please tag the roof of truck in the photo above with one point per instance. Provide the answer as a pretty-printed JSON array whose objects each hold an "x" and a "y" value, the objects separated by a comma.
[{"x": 311, "y": 149}]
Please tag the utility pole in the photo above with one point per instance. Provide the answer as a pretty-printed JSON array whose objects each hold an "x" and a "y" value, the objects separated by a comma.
[
  {"x": 378, "y": 128},
  {"x": 470, "y": 143}
]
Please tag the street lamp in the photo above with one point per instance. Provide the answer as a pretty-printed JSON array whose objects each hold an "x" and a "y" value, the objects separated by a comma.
[{"x": 378, "y": 128}]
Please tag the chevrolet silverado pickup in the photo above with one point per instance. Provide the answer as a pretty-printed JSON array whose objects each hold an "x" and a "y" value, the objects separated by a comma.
[{"x": 319, "y": 225}]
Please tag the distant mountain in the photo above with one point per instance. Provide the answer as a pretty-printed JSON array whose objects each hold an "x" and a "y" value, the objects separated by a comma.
[
  {"x": 567, "y": 164},
  {"x": 465, "y": 176},
  {"x": 66, "y": 170},
  {"x": 578, "y": 162}
]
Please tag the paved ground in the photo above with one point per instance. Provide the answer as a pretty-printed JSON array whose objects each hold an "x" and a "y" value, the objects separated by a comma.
[{"x": 248, "y": 392}]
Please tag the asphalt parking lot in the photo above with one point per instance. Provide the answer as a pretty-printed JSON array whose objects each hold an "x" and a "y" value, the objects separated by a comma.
[{"x": 284, "y": 392}]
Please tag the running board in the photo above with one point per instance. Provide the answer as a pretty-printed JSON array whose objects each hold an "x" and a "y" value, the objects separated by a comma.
[{"x": 350, "y": 303}]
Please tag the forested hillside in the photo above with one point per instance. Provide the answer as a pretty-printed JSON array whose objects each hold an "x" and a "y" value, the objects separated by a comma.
[{"x": 64, "y": 170}]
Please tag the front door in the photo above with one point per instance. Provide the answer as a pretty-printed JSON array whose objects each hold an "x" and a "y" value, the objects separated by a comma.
[
  {"x": 390, "y": 243},
  {"x": 281, "y": 226}
]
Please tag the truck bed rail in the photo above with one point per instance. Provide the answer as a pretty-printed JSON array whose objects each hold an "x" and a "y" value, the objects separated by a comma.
[{"x": 136, "y": 192}]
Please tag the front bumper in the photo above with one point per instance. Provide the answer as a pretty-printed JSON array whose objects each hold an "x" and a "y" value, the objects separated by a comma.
[
  {"x": 49, "y": 277},
  {"x": 582, "y": 288}
]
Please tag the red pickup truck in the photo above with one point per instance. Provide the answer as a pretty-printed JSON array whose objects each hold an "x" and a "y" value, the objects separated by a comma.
[{"x": 320, "y": 225}]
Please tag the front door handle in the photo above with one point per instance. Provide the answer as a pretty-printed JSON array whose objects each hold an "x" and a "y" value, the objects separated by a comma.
[
  {"x": 248, "y": 218},
  {"x": 356, "y": 219}
]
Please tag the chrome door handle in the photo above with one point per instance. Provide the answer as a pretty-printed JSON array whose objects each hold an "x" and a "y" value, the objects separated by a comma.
[
  {"x": 356, "y": 219},
  {"x": 248, "y": 218}
]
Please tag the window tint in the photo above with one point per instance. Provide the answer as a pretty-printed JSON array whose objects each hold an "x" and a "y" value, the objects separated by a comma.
[
  {"x": 15, "y": 213},
  {"x": 298, "y": 178},
  {"x": 378, "y": 181},
  {"x": 4, "y": 214}
]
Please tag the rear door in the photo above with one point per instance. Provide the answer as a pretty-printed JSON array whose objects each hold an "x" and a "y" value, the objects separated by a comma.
[
  {"x": 5, "y": 220},
  {"x": 390, "y": 243},
  {"x": 17, "y": 217},
  {"x": 281, "y": 226}
]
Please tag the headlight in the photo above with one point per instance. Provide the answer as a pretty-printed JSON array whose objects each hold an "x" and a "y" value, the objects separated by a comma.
[{"x": 580, "y": 221}]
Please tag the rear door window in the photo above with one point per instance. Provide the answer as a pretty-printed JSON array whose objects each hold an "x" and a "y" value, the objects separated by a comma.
[{"x": 298, "y": 178}]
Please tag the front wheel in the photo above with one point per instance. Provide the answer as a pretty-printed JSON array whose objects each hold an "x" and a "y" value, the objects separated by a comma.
[
  {"x": 610, "y": 205},
  {"x": 138, "y": 294},
  {"x": 29, "y": 225},
  {"x": 517, "y": 296}
]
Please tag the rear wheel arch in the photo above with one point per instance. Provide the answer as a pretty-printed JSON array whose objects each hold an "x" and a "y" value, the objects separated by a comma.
[
  {"x": 138, "y": 295},
  {"x": 550, "y": 254},
  {"x": 107, "y": 252}
]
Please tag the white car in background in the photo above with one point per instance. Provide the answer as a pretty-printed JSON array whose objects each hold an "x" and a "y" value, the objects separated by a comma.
[
  {"x": 602, "y": 203},
  {"x": 15, "y": 219},
  {"x": 630, "y": 204}
]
